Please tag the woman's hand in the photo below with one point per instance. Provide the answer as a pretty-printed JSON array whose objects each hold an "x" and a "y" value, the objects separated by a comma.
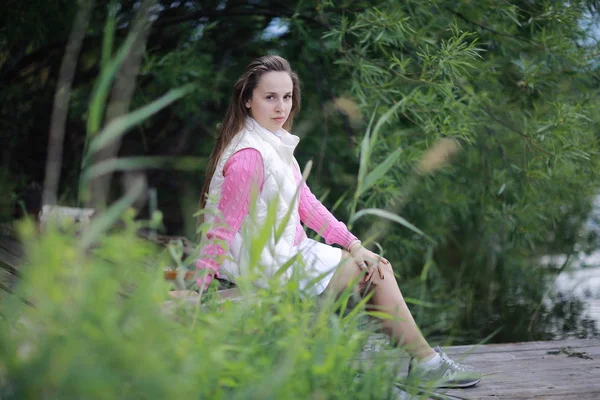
[
  {"x": 208, "y": 270},
  {"x": 367, "y": 260}
]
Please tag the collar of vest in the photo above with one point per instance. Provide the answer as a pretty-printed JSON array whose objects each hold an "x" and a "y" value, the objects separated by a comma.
[{"x": 282, "y": 141}]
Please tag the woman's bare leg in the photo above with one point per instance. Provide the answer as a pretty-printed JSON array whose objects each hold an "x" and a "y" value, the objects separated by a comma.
[{"x": 386, "y": 298}]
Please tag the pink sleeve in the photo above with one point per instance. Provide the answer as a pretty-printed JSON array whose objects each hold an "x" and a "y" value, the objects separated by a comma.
[
  {"x": 243, "y": 170},
  {"x": 317, "y": 217}
]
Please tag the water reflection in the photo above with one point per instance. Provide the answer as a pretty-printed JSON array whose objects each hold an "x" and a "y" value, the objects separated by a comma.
[{"x": 574, "y": 309}]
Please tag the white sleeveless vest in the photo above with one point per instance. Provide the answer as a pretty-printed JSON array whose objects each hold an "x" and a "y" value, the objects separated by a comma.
[{"x": 279, "y": 190}]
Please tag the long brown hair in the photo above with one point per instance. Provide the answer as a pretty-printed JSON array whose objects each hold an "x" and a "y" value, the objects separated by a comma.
[{"x": 237, "y": 111}]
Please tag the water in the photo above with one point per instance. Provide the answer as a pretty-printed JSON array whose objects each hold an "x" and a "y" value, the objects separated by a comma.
[{"x": 581, "y": 281}]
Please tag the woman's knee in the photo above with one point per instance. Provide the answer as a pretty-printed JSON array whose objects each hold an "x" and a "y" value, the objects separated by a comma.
[
  {"x": 386, "y": 269},
  {"x": 349, "y": 273},
  {"x": 382, "y": 274}
]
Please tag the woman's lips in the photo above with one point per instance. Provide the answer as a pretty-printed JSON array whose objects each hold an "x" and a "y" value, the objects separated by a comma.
[{"x": 279, "y": 119}]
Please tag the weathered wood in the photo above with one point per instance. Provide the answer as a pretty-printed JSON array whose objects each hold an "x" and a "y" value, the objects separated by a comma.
[
  {"x": 11, "y": 258},
  {"x": 192, "y": 296},
  {"x": 61, "y": 215},
  {"x": 564, "y": 369}
]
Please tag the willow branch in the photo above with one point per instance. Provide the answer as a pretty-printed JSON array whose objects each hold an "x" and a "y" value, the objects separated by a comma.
[
  {"x": 517, "y": 131},
  {"x": 487, "y": 28}
]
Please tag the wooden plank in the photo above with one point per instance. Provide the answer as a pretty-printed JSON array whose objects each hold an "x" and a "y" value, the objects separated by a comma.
[
  {"x": 191, "y": 298},
  {"x": 61, "y": 215},
  {"x": 529, "y": 370},
  {"x": 521, "y": 346},
  {"x": 190, "y": 295},
  {"x": 380, "y": 341},
  {"x": 11, "y": 259},
  {"x": 564, "y": 352},
  {"x": 477, "y": 359},
  {"x": 11, "y": 252},
  {"x": 7, "y": 263}
]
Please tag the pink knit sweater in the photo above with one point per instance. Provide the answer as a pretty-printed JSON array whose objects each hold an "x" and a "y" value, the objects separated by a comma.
[{"x": 242, "y": 171}]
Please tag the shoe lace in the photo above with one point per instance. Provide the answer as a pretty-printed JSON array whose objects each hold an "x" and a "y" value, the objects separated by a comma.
[{"x": 453, "y": 363}]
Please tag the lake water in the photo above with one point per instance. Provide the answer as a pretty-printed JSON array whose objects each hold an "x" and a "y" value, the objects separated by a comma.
[
  {"x": 584, "y": 283},
  {"x": 582, "y": 278}
]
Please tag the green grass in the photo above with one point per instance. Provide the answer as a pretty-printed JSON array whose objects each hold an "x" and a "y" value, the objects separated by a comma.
[{"x": 99, "y": 329}]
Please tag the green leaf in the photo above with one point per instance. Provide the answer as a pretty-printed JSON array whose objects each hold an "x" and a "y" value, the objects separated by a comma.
[
  {"x": 109, "y": 35},
  {"x": 385, "y": 117},
  {"x": 260, "y": 238},
  {"x": 380, "y": 315},
  {"x": 105, "y": 220},
  {"x": 102, "y": 87},
  {"x": 388, "y": 215},
  {"x": 119, "y": 126},
  {"x": 374, "y": 176},
  {"x": 285, "y": 267},
  {"x": 142, "y": 162},
  {"x": 365, "y": 153},
  {"x": 428, "y": 264},
  {"x": 421, "y": 303},
  {"x": 288, "y": 214}
]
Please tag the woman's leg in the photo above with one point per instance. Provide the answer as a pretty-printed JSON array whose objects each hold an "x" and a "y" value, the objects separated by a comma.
[{"x": 386, "y": 298}]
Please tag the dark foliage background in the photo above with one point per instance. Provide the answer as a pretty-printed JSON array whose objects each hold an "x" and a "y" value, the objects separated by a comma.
[{"x": 515, "y": 83}]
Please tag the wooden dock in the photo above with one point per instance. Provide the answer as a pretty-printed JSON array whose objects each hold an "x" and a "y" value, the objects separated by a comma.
[{"x": 565, "y": 370}]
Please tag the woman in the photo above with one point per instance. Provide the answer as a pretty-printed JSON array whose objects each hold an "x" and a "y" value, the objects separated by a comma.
[{"x": 253, "y": 160}]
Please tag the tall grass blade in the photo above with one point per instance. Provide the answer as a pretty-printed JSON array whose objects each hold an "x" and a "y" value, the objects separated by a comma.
[
  {"x": 417, "y": 302},
  {"x": 102, "y": 223},
  {"x": 102, "y": 87},
  {"x": 390, "y": 216},
  {"x": 428, "y": 264},
  {"x": 382, "y": 169},
  {"x": 260, "y": 239},
  {"x": 152, "y": 162},
  {"x": 359, "y": 307},
  {"x": 286, "y": 266},
  {"x": 109, "y": 35},
  {"x": 288, "y": 214},
  {"x": 384, "y": 118},
  {"x": 365, "y": 154},
  {"x": 368, "y": 143},
  {"x": 119, "y": 126}
]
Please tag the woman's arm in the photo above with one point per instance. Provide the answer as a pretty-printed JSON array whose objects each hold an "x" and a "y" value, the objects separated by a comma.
[
  {"x": 242, "y": 172},
  {"x": 317, "y": 217}
]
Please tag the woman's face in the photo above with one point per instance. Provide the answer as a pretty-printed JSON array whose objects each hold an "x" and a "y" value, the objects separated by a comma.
[{"x": 271, "y": 100}]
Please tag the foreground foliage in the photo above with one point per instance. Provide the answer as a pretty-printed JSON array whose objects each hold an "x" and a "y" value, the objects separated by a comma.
[{"x": 101, "y": 326}]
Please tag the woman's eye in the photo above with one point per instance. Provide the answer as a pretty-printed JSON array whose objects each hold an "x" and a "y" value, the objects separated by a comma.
[
  {"x": 287, "y": 96},
  {"x": 269, "y": 97}
]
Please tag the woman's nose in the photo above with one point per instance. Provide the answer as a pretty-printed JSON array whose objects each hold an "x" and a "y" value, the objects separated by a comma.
[{"x": 279, "y": 106}]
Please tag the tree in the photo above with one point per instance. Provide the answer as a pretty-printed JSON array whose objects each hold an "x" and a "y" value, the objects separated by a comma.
[{"x": 516, "y": 84}]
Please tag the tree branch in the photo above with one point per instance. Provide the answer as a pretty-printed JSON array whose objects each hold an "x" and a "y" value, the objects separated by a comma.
[
  {"x": 487, "y": 28},
  {"x": 509, "y": 127}
]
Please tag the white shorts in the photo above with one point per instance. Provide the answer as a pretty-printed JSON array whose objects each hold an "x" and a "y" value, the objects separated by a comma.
[
  {"x": 321, "y": 261},
  {"x": 314, "y": 274}
]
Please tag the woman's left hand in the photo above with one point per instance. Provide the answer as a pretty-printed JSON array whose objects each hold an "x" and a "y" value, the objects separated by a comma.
[{"x": 368, "y": 261}]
